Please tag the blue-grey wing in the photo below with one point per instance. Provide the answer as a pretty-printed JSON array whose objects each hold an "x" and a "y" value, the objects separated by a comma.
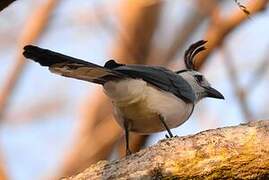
[{"x": 160, "y": 77}]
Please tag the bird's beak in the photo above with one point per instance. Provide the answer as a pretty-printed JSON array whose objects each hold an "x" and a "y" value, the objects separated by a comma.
[{"x": 213, "y": 93}]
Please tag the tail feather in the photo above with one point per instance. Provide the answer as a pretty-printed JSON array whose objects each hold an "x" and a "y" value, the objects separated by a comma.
[
  {"x": 70, "y": 67},
  {"x": 47, "y": 57}
]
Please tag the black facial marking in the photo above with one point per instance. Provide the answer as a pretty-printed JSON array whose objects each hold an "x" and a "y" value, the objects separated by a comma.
[
  {"x": 199, "y": 78},
  {"x": 182, "y": 71}
]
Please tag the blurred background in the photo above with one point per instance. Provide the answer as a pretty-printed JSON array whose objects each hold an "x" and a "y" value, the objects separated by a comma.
[{"x": 54, "y": 127}]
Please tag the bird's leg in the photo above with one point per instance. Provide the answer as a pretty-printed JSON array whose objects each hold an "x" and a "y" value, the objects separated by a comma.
[
  {"x": 126, "y": 129},
  {"x": 166, "y": 136},
  {"x": 166, "y": 127}
]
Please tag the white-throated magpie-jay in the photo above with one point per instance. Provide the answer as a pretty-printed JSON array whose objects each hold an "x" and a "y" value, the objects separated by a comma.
[{"x": 146, "y": 99}]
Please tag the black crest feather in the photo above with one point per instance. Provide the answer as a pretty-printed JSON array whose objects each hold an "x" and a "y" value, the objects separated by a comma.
[{"x": 191, "y": 52}]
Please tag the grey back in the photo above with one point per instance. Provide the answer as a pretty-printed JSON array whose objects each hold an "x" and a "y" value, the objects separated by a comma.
[{"x": 160, "y": 77}]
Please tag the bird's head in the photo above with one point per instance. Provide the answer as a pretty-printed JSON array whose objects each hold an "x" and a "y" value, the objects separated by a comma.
[{"x": 196, "y": 80}]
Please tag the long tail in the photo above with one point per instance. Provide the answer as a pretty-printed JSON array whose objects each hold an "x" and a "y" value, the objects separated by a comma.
[{"x": 70, "y": 67}]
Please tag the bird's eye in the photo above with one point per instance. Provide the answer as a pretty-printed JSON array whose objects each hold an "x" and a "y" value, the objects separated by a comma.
[{"x": 199, "y": 78}]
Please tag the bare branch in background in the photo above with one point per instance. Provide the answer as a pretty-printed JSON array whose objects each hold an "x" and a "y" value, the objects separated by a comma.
[
  {"x": 219, "y": 27},
  {"x": 3, "y": 172},
  {"x": 242, "y": 7},
  {"x": 183, "y": 32},
  {"x": 5, "y": 3},
  {"x": 36, "y": 24},
  {"x": 99, "y": 131},
  {"x": 32, "y": 111},
  {"x": 259, "y": 73},
  {"x": 239, "y": 91},
  {"x": 136, "y": 30},
  {"x": 243, "y": 92},
  {"x": 33, "y": 29},
  {"x": 137, "y": 142}
]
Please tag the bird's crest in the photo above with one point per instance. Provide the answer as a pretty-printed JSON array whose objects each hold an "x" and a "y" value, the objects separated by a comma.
[{"x": 191, "y": 52}]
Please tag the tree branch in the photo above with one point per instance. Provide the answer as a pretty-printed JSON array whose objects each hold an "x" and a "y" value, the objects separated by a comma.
[
  {"x": 220, "y": 27},
  {"x": 183, "y": 32},
  {"x": 239, "y": 91},
  {"x": 36, "y": 24},
  {"x": 240, "y": 152}
]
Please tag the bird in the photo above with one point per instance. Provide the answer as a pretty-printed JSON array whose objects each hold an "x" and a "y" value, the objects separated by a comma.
[{"x": 145, "y": 98}]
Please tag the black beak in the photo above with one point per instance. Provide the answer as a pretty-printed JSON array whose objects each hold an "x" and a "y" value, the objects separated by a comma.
[{"x": 213, "y": 93}]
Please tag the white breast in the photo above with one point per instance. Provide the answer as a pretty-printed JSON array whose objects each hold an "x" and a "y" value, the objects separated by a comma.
[
  {"x": 126, "y": 91},
  {"x": 141, "y": 104},
  {"x": 174, "y": 110}
]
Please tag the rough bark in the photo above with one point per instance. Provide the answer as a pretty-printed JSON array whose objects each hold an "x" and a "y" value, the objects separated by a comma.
[{"x": 240, "y": 152}]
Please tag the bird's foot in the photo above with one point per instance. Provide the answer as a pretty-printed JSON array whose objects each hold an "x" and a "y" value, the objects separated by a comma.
[
  {"x": 166, "y": 136},
  {"x": 169, "y": 136}
]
